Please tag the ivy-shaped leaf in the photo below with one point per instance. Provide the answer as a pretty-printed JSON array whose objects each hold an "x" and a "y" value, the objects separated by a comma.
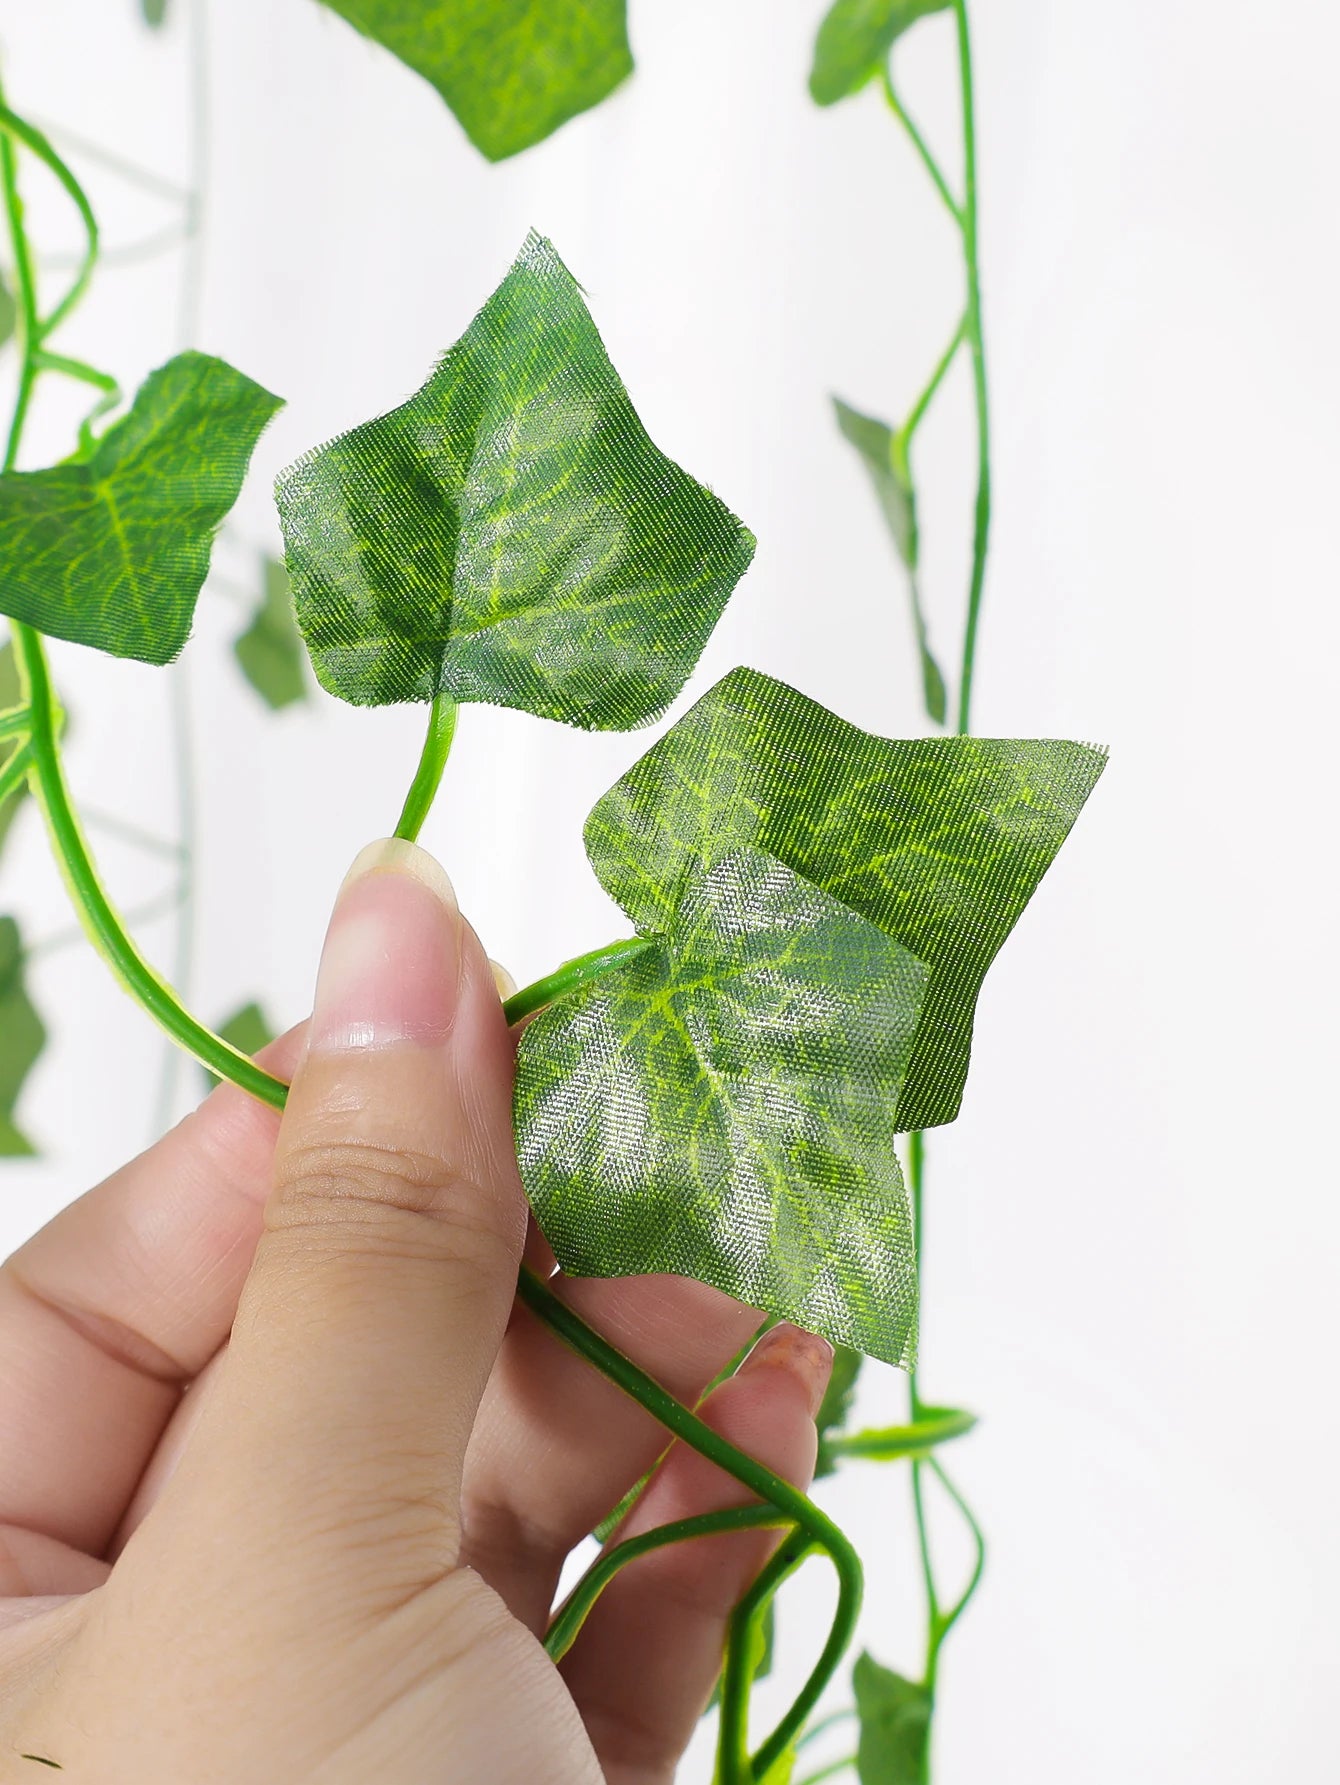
[
  {"x": 895, "y": 1718},
  {"x": 718, "y": 1107},
  {"x": 891, "y": 476},
  {"x": 248, "y": 1029},
  {"x": 510, "y": 534},
  {"x": 835, "y": 1408},
  {"x": 112, "y": 550},
  {"x": 22, "y": 1038},
  {"x": 11, "y": 693},
  {"x": 889, "y": 1444},
  {"x": 270, "y": 652},
  {"x": 511, "y": 70},
  {"x": 854, "y": 42},
  {"x": 938, "y": 841}
]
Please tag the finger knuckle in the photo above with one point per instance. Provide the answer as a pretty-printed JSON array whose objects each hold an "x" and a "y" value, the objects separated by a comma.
[{"x": 393, "y": 1199}]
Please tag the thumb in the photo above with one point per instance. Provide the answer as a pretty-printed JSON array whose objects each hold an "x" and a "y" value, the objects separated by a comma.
[{"x": 384, "y": 1278}]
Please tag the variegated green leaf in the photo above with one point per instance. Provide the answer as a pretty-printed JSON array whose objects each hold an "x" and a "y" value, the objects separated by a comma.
[
  {"x": 855, "y": 39},
  {"x": 112, "y": 551},
  {"x": 510, "y": 534},
  {"x": 22, "y": 1038},
  {"x": 270, "y": 652},
  {"x": 511, "y": 70},
  {"x": 718, "y": 1106},
  {"x": 895, "y": 1718}
]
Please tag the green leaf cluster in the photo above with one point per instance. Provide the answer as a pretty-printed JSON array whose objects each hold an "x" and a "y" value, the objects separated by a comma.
[
  {"x": 820, "y": 906},
  {"x": 886, "y": 461},
  {"x": 895, "y": 1718},
  {"x": 113, "y": 549},
  {"x": 510, "y": 534},
  {"x": 854, "y": 42},
  {"x": 512, "y": 71}
]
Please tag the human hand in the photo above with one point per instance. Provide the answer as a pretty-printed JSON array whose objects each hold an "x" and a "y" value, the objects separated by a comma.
[{"x": 324, "y": 1549}]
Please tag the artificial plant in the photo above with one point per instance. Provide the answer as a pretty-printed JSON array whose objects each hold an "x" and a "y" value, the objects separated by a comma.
[{"x": 813, "y": 907}]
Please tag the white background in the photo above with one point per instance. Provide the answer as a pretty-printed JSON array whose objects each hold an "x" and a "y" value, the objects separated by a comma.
[{"x": 1133, "y": 1227}]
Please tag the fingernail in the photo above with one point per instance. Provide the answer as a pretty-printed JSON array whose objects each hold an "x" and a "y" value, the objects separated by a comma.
[
  {"x": 806, "y": 1355},
  {"x": 503, "y": 980},
  {"x": 390, "y": 970}
]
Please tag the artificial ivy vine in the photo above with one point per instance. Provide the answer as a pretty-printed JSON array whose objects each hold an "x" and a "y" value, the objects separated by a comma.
[{"x": 813, "y": 907}]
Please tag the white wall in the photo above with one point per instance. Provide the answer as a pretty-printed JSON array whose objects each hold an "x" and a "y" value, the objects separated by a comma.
[{"x": 1132, "y": 1253}]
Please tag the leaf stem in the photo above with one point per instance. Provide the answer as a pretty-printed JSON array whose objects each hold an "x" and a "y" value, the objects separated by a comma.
[
  {"x": 428, "y": 776},
  {"x": 921, "y": 146},
  {"x": 570, "y": 976},
  {"x": 576, "y": 1608},
  {"x": 982, "y": 506},
  {"x": 903, "y": 437},
  {"x": 15, "y": 772},
  {"x": 15, "y": 722},
  {"x": 14, "y": 127},
  {"x": 831, "y": 1771},
  {"x": 734, "y": 1765}
]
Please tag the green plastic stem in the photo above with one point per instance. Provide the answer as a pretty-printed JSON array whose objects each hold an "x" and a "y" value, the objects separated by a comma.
[
  {"x": 15, "y": 771},
  {"x": 921, "y": 146},
  {"x": 831, "y": 1771},
  {"x": 570, "y": 976},
  {"x": 428, "y": 776},
  {"x": 576, "y": 1608},
  {"x": 982, "y": 506},
  {"x": 14, "y": 721}
]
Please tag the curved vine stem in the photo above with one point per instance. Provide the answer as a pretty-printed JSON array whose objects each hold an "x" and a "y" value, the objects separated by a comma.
[
  {"x": 982, "y": 506},
  {"x": 576, "y": 1608}
]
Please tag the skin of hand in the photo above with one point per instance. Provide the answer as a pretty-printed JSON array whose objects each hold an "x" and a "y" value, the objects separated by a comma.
[{"x": 286, "y": 1475}]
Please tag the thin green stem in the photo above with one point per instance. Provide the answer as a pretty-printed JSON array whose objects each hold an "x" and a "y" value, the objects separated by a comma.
[
  {"x": 982, "y": 506},
  {"x": 814, "y": 1528},
  {"x": 98, "y": 820},
  {"x": 15, "y": 772},
  {"x": 149, "y": 912},
  {"x": 14, "y": 127},
  {"x": 428, "y": 776},
  {"x": 570, "y": 975},
  {"x": 824, "y": 1724},
  {"x": 15, "y": 721},
  {"x": 922, "y": 148},
  {"x": 576, "y": 1608},
  {"x": 27, "y": 324},
  {"x": 951, "y": 1617},
  {"x": 734, "y": 1765},
  {"x": 933, "y": 383},
  {"x": 102, "y": 923},
  {"x": 831, "y": 1771}
]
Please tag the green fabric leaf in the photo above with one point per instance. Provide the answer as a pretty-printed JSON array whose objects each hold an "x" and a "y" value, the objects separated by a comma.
[
  {"x": 155, "y": 12},
  {"x": 888, "y": 1444},
  {"x": 891, "y": 476},
  {"x": 835, "y": 1408},
  {"x": 270, "y": 651},
  {"x": 22, "y": 1038},
  {"x": 11, "y": 694},
  {"x": 718, "y": 1106},
  {"x": 895, "y": 1715},
  {"x": 9, "y": 311},
  {"x": 511, "y": 70},
  {"x": 938, "y": 841},
  {"x": 510, "y": 534},
  {"x": 112, "y": 551},
  {"x": 854, "y": 42},
  {"x": 248, "y": 1029}
]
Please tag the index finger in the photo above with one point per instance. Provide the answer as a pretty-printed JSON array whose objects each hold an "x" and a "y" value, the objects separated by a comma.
[{"x": 118, "y": 1301}]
